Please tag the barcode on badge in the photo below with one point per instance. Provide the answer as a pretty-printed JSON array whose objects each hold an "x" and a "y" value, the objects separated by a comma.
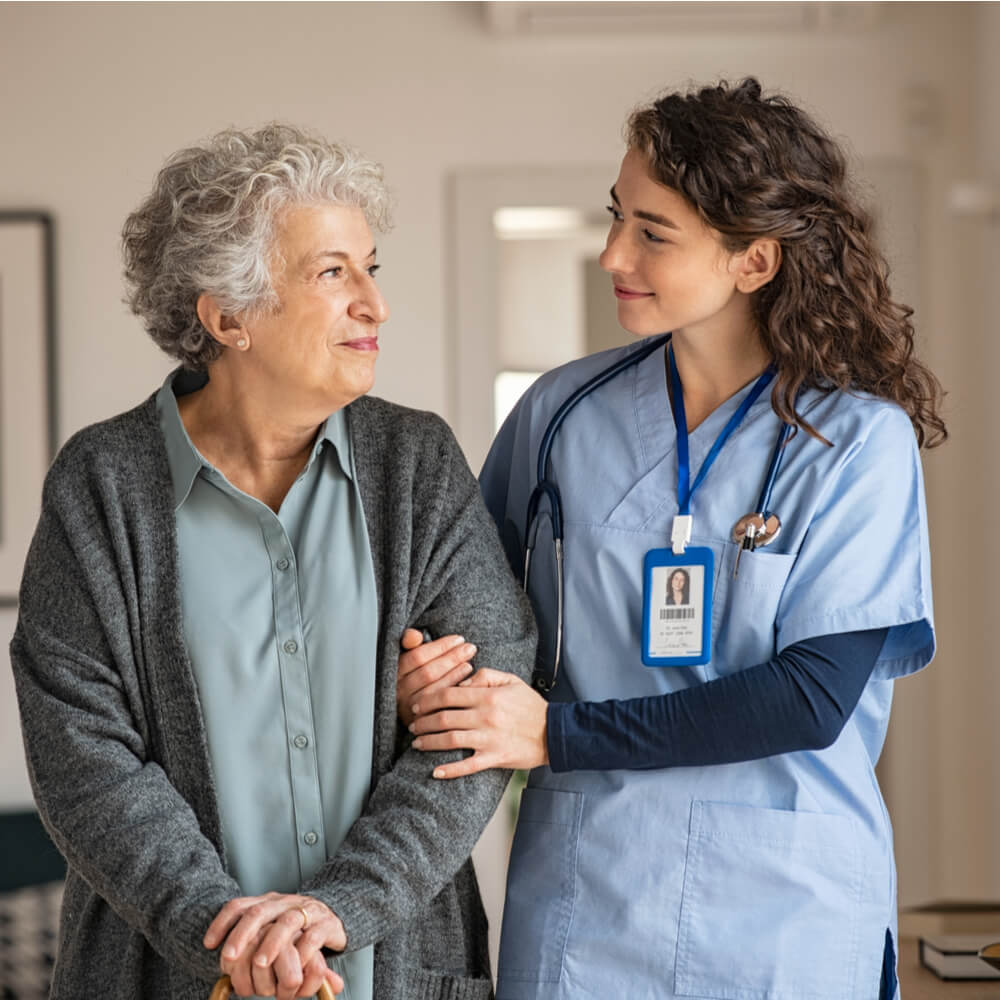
[{"x": 675, "y": 614}]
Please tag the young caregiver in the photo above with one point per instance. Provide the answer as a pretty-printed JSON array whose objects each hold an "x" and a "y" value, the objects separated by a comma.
[{"x": 702, "y": 818}]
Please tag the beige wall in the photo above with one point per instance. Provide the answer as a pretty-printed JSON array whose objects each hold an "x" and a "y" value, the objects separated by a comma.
[
  {"x": 92, "y": 97},
  {"x": 984, "y": 685}
]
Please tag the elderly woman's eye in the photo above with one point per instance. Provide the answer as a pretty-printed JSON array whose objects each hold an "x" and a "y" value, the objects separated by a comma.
[
  {"x": 373, "y": 269},
  {"x": 333, "y": 271}
]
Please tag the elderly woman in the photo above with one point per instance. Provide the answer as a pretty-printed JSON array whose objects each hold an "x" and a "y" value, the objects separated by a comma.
[{"x": 210, "y": 616}]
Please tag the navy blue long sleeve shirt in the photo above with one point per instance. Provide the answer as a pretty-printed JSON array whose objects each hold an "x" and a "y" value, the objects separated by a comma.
[{"x": 799, "y": 700}]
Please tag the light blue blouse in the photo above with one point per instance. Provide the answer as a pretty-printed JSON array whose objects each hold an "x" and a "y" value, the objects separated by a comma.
[{"x": 280, "y": 621}]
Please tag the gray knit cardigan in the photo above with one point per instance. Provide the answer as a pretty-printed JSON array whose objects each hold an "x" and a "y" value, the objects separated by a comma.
[{"x": 116, "y": 743}]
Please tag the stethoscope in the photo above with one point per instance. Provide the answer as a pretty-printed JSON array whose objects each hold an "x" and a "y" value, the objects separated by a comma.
[{"x": 751, "y": 531}]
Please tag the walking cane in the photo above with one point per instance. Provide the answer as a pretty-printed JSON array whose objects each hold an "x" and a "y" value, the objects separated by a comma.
[{"x": 224, "y": 988}]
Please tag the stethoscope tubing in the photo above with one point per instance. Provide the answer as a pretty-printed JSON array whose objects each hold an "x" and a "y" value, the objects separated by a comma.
[
  {"x": 547, "y": 489},
  {"x": 545, "y": 448},
  {"x": 764, "y": 501}
]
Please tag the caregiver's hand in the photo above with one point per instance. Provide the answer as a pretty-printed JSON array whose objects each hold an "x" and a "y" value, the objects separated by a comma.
[
  {"x": 428, "y": 667},
  {"x": 493, "y": 713},
  {"x": 272, "y": 944}
]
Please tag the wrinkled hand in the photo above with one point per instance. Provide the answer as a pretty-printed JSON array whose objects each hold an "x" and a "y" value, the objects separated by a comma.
[
  {"x": 428, "y": 667},
  {"x": 494, "y": 714},
  {"x": 272, "y": 950}
]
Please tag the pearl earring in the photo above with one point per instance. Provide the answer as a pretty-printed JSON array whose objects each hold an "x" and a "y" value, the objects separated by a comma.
[{"x": 242, "y": 342}]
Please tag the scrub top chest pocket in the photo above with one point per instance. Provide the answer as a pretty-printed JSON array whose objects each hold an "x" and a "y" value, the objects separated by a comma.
[{"x": 747, "y": 605}]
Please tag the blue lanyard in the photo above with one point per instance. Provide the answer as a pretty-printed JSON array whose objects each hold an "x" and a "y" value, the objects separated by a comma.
[{"x": 685, "y": 488}]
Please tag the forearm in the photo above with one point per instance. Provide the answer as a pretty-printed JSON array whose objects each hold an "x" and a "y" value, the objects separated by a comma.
[
  {"x": 799, "y": 700},
  {"x": 412, "y": 839},
  {"x": 414, "y": 835}
]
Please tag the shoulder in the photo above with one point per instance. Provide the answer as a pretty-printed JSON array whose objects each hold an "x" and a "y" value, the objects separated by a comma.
[
  {"x": 108, "y": 487},
  {"x": 376, "y": 423},
  {"x": 110, "y": 450},
  {"x": 524, "y": 427},
  {"x": 550, "y": 390},
  {"x": 873, "y": 453},
  {"x": 854, "y": 421},
  {"x": 397, "y": 448},
  {"x": 372, "y": 414},
  {"x": 554, "y": 385}
]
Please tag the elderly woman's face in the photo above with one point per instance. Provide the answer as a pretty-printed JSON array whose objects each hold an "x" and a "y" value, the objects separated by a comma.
[{"x": 322, "y": 341}]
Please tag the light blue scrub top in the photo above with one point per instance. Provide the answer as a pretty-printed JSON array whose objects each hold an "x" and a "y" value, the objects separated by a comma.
[
  {"x": 771, "y": 879},
  {"x": 280, "y": 622}
]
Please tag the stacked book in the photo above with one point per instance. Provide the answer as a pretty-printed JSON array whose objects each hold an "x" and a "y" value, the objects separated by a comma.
[
  {"x": 960, "y": 956},
  {"x": 955, "y": 937}
]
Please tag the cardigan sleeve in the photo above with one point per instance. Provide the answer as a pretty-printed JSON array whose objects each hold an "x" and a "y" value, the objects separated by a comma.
[
  {"x": 102, "y": 792},
  {"x": 417, "y": 831}
]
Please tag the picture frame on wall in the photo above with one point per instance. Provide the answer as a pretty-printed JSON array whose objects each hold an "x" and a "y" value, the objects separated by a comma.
[{"x": 27, "y": 384}]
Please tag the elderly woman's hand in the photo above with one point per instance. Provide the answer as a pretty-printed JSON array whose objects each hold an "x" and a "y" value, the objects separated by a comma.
[
  {"x": 429, "y": 666},
  {"x": 495, "y": 714},
  {"x": 272, "y": 944}
]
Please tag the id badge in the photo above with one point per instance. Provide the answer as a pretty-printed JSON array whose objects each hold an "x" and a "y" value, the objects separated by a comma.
[{"x": 677, "y": 607}]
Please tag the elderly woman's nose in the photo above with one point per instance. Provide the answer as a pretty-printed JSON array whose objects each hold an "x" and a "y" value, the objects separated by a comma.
[{"x": 369, "y": 302}]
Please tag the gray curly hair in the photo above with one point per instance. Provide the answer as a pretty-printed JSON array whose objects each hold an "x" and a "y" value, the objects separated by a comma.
[{"x": 208, "y": 226}]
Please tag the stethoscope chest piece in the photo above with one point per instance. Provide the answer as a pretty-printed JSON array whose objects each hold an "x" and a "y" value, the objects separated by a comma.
[
  {"x": 756, "y": 529},
  {"x": 752, "y": 531}
]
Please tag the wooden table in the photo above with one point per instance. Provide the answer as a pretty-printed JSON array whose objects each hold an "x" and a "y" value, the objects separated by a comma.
[{"x": 918, "y": 983}]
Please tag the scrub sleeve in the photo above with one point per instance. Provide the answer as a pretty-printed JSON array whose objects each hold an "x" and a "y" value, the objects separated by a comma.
[{"x": 865, "y": 560}]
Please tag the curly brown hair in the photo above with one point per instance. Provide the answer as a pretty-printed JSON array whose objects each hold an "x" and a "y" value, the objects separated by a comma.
[{"x": 756, "y": 167}]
